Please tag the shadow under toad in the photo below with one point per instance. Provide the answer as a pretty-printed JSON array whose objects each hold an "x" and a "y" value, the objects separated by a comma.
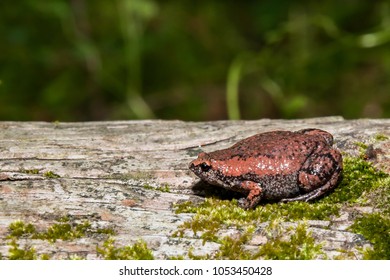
[{"x": 206, "y": 190}]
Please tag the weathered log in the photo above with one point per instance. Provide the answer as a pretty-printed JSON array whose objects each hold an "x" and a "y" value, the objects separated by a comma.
[{"x": 114, "y": 174}]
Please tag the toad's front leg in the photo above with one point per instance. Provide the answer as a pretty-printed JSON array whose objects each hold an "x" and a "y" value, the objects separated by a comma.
[{"x": 254, "y": 194}]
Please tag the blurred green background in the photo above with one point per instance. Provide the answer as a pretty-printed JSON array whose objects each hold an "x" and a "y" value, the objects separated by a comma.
[{"x": 78, "y": 60}]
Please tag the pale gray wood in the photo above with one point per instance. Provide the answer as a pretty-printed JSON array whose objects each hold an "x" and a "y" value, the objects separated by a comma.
[{"x": 103, "y": 169}]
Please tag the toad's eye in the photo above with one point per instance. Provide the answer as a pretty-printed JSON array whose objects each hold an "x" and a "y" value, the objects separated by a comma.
[{"x": 205, "y": 167}]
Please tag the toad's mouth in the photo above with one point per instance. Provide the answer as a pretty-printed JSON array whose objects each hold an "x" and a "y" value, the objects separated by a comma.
[{"x": 207, "y": 174}]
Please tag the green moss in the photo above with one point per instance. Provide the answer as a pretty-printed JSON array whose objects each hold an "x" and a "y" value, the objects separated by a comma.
[
  {"x": 230, "y": 249},
  {"x": 162, "y": 188},
  {"x": 300, "y": 246},
  {"x": 16, "y": 253},
  {"x": 193, "y": 256},
  {"x": 140, "y": 175},
  {"x": 63, "y": 229},
  {"x": 212, "y": 214},
  {"x": 359, "y": 178},
  {"x": 375, "y": 228},
  {"x": 379, "y": 197},
  {"x": 292, "y": 243},
  {"x": 30, "y": 171},
  {"x": 51, "y": 175},
  {"x": 107, "y": 231},
  {"x": 19, "y": 229},
  {"x": 362, "y": 146},
  {"x": 381, "y": 137},
  {"x": 233, "y": 248},
  {"x": 179, "y": 258},
  {"x": 345, "y": 254},
  {"x": 148, "y": 187},
  {"x": 47, "y": 174},
  {"x": 138, "y": 251}
]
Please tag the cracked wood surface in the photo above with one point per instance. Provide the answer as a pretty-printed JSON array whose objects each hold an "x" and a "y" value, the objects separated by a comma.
[{"x": 112, "y": 174}]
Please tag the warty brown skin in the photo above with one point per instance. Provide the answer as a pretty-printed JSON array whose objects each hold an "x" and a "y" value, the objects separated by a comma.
[{"x": 277, "y": 166}]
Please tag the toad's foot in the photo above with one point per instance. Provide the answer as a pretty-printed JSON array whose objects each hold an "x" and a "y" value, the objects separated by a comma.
[{"x": 254, "y": 195}]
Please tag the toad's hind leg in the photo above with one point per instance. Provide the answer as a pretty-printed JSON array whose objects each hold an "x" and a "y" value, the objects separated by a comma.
[
  {"x": 316, "y": 193},
  {"x": 319, "y": 175}
]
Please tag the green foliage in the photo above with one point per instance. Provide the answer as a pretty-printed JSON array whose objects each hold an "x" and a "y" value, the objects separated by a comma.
[
  {"x": 381, "y": 137},
  {"x": 47, "y": 174},
  {"x": 359, "y": 178},
  {"x": 15, "y": 253},
  {"x": 66, "y": 230},
  {"x": 376, "y": 228},
  {"x": 63, "y": 229},
  {"x": 300, "y": 246},
  {"x": 212, "y": 213},
  {"x": 162, "y": 188},
  {"x": 138, "y": 251},
  {"x": 292, "y": 243},
  {"x": 19, "y": 229},
  {"x": 89, "y": 60},
  {"x": 51, "y": 175},
  {"x": 30, "y": 171},
  {"x": 233, "y": 249}
]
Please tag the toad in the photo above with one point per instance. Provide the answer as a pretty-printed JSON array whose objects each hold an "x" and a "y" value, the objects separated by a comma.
[{"x": 274, "y": 166}]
